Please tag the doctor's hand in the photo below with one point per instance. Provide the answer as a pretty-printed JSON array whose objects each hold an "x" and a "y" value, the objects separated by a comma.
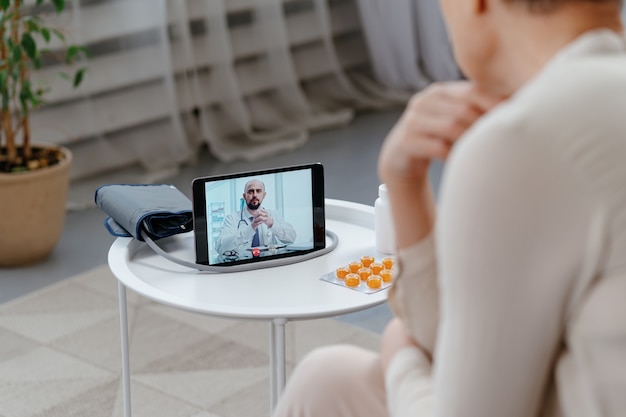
[
  {"x": 432, "y": 122},
  {"x": 262, "y": 216}
]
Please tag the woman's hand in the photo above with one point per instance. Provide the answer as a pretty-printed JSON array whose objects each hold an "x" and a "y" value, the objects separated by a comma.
[
  {"x": 432, "y": 122},
  {"x": 394, "y": 338}
]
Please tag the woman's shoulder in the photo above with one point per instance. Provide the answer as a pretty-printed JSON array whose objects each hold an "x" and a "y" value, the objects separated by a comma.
[
  {"x": 569, "y": 110},
  {"x": 583, "y": 75},
  {"x": 577, "y": 89},
  {"x": 508, "y": 132},
  {"x": 540, "y": 139}
]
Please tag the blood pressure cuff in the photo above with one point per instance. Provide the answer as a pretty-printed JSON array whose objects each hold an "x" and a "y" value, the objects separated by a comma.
[{"x": 159, "y": 209}]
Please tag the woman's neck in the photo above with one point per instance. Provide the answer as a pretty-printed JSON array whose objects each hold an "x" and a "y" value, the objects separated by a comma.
[{"x": 545, "y": 34}]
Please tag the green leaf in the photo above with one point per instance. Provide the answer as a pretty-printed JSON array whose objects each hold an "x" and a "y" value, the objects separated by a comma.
[
  {"x": 39, "y": 2},
  {"x": 32, "y": 25},
  {"x": 65, "y": 76},
  {"x": 29, "y": 45},
  {"x": 3, "y": 79},
  {"x": 5, "y": 17},
  {"x": 29, "y": 96},
  {"x": 4, "y": 4},
  {"x": 40, "y": 92},
  {"x": 45, "y": 33},
  {"x": 78, "y": 77},
  {"x": 59, "y": 5},
  {"x": 74, "y": 52},
  {"x": 70, "y": 54},
  {"x": 58, "y": 34},
  {"x": 24, "y": 99},
  {"x": 16, "y": 53}
]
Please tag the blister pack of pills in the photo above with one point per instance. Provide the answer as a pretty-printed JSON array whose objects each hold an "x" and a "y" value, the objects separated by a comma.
[{"x": 365, "y": 275}]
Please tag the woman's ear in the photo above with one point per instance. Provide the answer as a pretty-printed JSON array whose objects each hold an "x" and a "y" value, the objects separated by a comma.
[{"x": 481, "y": 6}]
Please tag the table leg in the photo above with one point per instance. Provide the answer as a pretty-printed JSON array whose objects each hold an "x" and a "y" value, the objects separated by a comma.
[
  {"x": 121, "y": 290},
  {"x": 277, "y": 360}
]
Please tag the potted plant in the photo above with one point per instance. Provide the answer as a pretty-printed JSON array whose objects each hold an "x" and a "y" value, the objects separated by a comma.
[{"x": 34, "y": 178}]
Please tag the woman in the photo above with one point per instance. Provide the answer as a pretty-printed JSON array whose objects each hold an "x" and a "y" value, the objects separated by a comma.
[{"x": 514, "y": 303}]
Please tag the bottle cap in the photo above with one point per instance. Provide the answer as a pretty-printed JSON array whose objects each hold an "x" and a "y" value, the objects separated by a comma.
[{"x": 382, "y": 191}]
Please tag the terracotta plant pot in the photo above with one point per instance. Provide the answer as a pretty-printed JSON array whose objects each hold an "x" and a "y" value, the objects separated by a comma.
[{"x": 32, "y": 212}]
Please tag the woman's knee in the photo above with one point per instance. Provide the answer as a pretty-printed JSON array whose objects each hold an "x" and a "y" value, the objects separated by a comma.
[
  {"x": 334, "y": 376},
  {"x": 326, "y": 367}
]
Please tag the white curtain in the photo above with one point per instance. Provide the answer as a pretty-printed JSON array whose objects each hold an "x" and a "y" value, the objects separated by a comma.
[
  {"x": 264, "y": 73},
  {"x": 125, "y": 112},
  {"x": 249, "y": 78},
  {"x": 408, "y": 43}
]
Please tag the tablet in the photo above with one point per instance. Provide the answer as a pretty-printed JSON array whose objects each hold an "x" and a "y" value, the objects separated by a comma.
[{"x": 257, "y": 216}]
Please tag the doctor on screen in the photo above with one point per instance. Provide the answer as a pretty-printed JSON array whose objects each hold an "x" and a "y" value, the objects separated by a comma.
[{"x": 253, "y": 226}]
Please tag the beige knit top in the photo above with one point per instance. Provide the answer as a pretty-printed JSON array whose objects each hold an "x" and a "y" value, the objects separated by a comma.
[{"x": 521, "y": 290}]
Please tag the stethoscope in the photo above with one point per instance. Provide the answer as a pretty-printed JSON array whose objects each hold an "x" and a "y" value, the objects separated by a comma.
[
  {"x": 233, "y": 255},
  {"x": 244, "y": 221},
  {"x": 241, "y": 219}
]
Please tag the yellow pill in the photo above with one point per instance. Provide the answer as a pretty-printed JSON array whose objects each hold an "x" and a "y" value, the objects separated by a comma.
[
  {"x": 374, "y": 281},
  {"x": 355, "y": 266},
  {"x": 388, "y": 262},
  {"x": 386, "y": 275},
  {"x": 364, "y": 273},
  {"x": 353, "y": 280},
  {"x": 342, "y": 272},
  {"x": 367, "y": 260},
  {"x": 376, "y": 268}
]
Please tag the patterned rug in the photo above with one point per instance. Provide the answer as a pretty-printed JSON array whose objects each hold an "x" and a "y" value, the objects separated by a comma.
[{"x": 60, "y": 355}]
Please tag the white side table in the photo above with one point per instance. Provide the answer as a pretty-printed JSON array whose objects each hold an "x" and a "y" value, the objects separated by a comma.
[{"x": 280, "y": 294}]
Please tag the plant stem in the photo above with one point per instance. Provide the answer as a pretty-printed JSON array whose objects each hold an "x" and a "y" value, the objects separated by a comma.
[
  {"x": 7, "y": 126},
  {"x": 22, "y": 118},
  {"x": 8, "y": 132},
  {"x": 7, "y": 123},
  {"x": 28, "y": 153}
]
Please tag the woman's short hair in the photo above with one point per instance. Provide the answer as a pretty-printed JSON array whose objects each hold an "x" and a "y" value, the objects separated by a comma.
[{"x": 550, "y": 5}]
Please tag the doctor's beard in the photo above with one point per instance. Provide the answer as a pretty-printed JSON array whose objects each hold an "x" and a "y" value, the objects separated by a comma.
[{"x": 253, "y": 205}]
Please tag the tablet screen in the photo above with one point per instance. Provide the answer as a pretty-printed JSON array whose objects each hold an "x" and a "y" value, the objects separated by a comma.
[{"x": 255, "y": 216}]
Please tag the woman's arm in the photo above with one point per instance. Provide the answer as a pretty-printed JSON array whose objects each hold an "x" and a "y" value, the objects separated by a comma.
[
  {"x": 512, "y": 227},
  {"x": 431, "y": 124}
]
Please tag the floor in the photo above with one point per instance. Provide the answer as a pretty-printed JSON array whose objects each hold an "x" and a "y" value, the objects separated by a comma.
[{"x": 349, "y": 156}]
